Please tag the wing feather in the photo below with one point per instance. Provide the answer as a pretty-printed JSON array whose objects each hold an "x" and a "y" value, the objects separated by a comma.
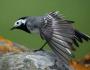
[{"x": 60, "y": 35}]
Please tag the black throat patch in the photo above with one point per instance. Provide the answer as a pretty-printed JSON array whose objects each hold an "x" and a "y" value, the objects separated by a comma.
[{"x": 24, "y": 28}]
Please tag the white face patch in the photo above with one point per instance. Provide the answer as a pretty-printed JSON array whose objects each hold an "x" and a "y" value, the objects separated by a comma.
[{"x": 19, "y": 22}]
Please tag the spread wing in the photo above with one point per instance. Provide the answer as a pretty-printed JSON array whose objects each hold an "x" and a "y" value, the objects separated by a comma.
[{"x": 59, "y": 34}]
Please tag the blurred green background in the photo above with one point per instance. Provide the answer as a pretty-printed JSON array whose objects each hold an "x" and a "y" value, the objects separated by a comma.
[{"x": 76, "y": 10}]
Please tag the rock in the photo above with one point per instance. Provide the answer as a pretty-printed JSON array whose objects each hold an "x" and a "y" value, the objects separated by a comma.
[
  {"x": 14, "y": 56},
  {"x": 40, "y": 60}
]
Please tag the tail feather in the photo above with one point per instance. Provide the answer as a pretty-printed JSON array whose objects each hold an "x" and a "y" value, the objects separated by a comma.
[
  {"x": 81, "y": 36},
  {"x": 75, "y": 42},
  {"x": 79, "y": 39}
]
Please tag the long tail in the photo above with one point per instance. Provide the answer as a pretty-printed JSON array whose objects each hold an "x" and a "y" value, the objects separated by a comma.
[{"x": 79, "y": 36}]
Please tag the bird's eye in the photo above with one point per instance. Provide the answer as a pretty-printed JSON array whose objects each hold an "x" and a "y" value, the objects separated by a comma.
[{"x": 17, "y": 22}]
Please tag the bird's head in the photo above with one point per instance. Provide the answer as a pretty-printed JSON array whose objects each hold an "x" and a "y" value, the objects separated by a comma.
[{"x": 21, "y": 24}]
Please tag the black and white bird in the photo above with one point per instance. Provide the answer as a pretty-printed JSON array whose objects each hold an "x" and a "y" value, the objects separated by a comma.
[{"x": 58, "y": 32}]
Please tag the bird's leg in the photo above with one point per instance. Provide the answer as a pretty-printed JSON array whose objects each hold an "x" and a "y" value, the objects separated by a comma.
[{"x": 41, "y": 47}]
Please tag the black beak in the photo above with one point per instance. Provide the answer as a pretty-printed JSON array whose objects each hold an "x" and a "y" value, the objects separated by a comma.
[{"x": 13, "y": 28}]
